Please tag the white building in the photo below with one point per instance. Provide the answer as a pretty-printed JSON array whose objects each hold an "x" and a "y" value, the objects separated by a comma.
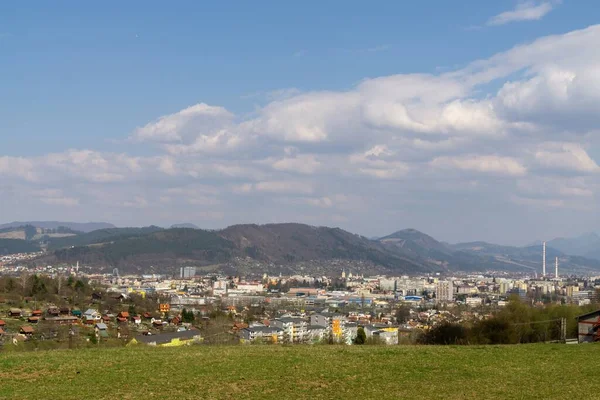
[
  {"x": 444, "y": 291},
  {"x": 295, "y": 329}
]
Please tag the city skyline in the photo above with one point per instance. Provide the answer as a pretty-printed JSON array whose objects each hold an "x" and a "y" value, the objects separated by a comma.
[{"x": 469, "y": 127}]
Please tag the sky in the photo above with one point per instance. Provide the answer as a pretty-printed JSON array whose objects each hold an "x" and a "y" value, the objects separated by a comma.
[{"x": 468, "y": 120}]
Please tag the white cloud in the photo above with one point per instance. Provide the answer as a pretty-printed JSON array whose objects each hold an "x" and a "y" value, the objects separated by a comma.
[
  {"x": 398, "y": 137},
  {"x": 484, "y": 164},
  {"x": 525, "y": 11},
  {"x": 176, "y": 127},
  {"x": 565, "y": 156}
]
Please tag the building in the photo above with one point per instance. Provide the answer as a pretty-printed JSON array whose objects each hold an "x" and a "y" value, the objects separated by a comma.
[
  {"x": 384, "y": 333},
  {"x": 295, "y": 329},
  {"x": 187, "y": 272},
  {"x": 387, "y": 284},
  {"x": 444, "y": 291},
  {"x": 220, "y": 287},
  {"x": 588, "y": 327},
  {"x": 335, "y": 324},
  {"x": 316, "y": 333},
  {"x": 267, "y": 334},
  {"x": 473, "y": 301},
  {"x": 169, "y": 339}
]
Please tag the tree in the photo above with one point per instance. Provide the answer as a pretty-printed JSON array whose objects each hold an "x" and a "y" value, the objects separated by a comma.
[
  {"x": 403, "y": 314},
  {"x": 361, "y": 336}
]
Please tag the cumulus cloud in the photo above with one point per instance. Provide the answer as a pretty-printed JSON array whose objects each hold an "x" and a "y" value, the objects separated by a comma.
[
  {"x": 490, "y": 164},
  {"x": 524, "y": 11},
  {"x": 565, "y": 156},
  {"x": 497, "y": 127}
]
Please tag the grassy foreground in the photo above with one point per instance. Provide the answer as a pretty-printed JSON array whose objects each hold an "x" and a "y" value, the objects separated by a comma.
[{"x": 316, "y": 372}]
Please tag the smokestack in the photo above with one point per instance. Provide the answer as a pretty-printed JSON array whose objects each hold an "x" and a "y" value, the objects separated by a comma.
[
  {"x": 544, "y": 260},
  {"x": 556, "y": 268}
]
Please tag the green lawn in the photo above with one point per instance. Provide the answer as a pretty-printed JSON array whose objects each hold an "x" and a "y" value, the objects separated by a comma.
[{"x": 303, "y": 372}]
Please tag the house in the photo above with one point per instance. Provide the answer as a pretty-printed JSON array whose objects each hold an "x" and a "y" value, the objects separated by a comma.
[
  {"x": 76, "y": 313},
  {"x": 26, "y": 330},
  {"x": 33, "y": 320},
  {"x": 157, "y": 323},
  {"x": 62, "y": 319},
  {"x": 91, "y": 316},
  {"x": 588, "y": 327},
  {"x": 164, "y": 307},
  {"x": 384, "y": 333},
  {"x": 2, "y": 323},
  {"x": 238, "y": 326},
  {"x": 175, "y": 321},
  {"x": 64, "y": 311},
  {"x": 14, "y": 312},
  {"x": 96, "y": 296},
  {"x": 168, "y": 339},
  {"x": 147, "y": 315},
  {"x": 136, "y": 319},
  {"x": 268, "y": 334},
  {"x": 117, "y": 296},
  {"x": 101, "y": 329},
  {"x": 123, "y": 316},
  {"x": 36, "y": 313},
  {"x": 53, "y": 312}
]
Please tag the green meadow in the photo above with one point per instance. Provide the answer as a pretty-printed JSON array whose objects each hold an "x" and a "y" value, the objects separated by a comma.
[{"x": 544, "y": 371}]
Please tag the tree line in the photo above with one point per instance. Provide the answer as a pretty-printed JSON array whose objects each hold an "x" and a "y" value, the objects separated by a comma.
[{"x": 518, "y": 322}]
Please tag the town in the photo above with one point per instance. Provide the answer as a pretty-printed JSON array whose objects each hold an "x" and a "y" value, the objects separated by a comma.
[{"x": 69, "y": 306}]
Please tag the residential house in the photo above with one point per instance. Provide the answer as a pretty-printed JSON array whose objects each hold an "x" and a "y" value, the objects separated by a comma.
[
  {"x": 268, "y": 334},
  {"x": 384, "y": 333},
  {"x": 53, "y": 312},
  {"x": 169, "y": 338},
  {"x": 2, "y": 323},
  {"x": 101, "y": 329},
  {"x": 26, "y": 330},
  {"x": 136, "y": 319},
  {"x": 36, "y": 313},
  {"x": 33, "y": 320},
  {"x": 14, "y": 312},
  {"x": 63, "y": 319},
  {"x": 91, "y": 316},
  {"x": 123, "y": 316},
  {"x": 588, "y": 327}
]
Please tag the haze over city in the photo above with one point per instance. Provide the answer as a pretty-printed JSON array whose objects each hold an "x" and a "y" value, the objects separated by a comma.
[{"x": 478, "y": 125}]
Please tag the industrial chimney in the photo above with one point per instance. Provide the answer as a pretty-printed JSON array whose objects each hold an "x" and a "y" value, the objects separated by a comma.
[
  {"x": 544, "y": 260},
  {"x": 556, "y": 268}
]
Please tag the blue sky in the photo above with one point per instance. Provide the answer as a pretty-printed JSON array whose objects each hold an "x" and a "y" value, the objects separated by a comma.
[{"x": 87, "y": 77}]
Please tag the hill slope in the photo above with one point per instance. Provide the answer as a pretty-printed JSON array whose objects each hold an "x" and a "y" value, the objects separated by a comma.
[
  {"x": 100, "y": 236},
  {"x": 249, "y": 248},
  {"x": 76, "y": 226},
  {"x": 14, "y": 246}
]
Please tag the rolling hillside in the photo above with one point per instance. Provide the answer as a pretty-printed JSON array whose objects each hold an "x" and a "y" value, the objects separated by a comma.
[{"x": 285, "y": 246}]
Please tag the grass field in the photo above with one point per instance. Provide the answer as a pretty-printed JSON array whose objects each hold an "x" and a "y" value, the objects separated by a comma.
[{"x": 303, "y": 372}]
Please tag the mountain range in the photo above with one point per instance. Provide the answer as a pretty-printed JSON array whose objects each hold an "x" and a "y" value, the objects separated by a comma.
[{"x": 288, "y": 247}]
